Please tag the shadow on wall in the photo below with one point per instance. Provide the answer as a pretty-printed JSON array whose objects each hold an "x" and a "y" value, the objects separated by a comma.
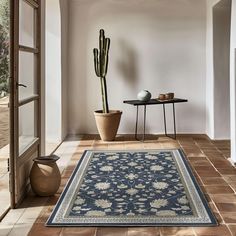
[
  {"x": 127, "y": 64},
  {"x": 189, "y": 109}
]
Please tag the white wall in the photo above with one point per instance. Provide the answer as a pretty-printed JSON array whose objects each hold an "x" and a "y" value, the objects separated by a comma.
[
  {"x": 209, "y": 70},
  {"x": 210, "y": 80},
  {"x": 156, "y": 45},
  {"x": 53, "y": 71},
  {"x": 210, "y": 76},
  {"x": 217, "y": 97}
]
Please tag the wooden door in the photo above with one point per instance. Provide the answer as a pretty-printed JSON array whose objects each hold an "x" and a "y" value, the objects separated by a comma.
[{"x": 25, "y": 99}]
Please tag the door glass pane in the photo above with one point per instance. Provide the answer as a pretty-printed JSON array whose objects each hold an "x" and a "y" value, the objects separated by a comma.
[
  {"x": 26, "y": 75},
  {"x": 27, "y": 125},
  {"x": 26, "y": 24}
]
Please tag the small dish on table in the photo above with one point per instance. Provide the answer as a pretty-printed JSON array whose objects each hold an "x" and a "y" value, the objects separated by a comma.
[{"x": 165, "y": 97}]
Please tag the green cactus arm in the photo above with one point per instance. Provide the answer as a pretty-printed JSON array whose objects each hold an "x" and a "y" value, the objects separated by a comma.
[
  {"x": 102, "y": 61},
  {"x": 102, "y": 64},
  {"x": 107, "y": 46},
  {"x": 101, "y": 51},
  {"x": 96, "y": 62},
  {"x": 101, "y": 39}
]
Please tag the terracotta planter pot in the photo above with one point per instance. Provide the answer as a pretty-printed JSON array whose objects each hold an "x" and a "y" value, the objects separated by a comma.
[
  {"x": 45, "y": 177},
  {"x": 107, "y": 124}
]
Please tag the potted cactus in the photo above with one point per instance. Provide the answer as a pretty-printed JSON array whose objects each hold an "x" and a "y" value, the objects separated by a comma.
[{"x": 107, "y": 120}]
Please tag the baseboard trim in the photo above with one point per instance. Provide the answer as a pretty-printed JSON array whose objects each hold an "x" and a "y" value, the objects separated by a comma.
[{"x": 232, "y": 162}]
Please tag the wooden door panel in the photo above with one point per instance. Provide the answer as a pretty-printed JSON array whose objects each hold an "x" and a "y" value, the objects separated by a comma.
[{"x": 22, "y": 185}]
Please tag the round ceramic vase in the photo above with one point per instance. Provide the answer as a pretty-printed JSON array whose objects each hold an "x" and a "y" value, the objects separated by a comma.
[
  {"x": 45, "y": 177},
  {"x": 144, "y": 95}
]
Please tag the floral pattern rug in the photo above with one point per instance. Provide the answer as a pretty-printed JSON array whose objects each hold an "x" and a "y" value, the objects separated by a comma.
[{"x": 153, "y": 187}]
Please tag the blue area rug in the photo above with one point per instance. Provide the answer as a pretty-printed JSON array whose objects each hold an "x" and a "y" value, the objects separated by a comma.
[{"x": 132, "y": 188}]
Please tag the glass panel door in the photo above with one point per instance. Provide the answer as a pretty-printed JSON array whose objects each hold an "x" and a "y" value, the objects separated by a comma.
[
  {"x": 26, "y": 24},
  {"x": 28, "y": 92},
  {"x": 27, "y": 75},
  {"x": 27, "y": 126},
  {"x": 25, "y": 87}
]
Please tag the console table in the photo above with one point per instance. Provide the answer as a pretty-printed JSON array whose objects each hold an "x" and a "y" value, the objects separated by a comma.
[{"x": 138, "y": 103}]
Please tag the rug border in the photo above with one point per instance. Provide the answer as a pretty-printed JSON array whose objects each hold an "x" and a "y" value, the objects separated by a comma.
[
  {"x": 212, "y": 217},
  {"x": 200, "y": 192}
]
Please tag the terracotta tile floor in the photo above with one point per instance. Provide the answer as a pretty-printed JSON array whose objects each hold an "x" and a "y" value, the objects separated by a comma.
[
  {"x": 4, "y": 154},
  {"x": 208, "y": 160}
]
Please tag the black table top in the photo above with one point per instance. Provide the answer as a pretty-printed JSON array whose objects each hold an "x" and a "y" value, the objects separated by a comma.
[{"x": 154, "y": 101}]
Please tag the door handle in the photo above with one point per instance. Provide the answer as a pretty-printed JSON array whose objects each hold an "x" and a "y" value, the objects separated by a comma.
[{"x": 21, "y": 85}]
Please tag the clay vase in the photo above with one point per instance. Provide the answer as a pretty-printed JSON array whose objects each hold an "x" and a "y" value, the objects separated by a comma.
[
  {"x": 45, "y": 177},
  {"x": 107, "y": 124}
]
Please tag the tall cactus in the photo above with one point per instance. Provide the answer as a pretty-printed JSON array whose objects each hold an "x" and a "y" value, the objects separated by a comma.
[{"x": 101, "y": 65}]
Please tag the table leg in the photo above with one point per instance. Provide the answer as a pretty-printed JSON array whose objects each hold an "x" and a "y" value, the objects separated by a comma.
[
  {"x": 174, "y": 121},
  {"x": 144, "y": 122},
  {"x": 136, "y": 126},
  {"x": 164, "y": 114}
]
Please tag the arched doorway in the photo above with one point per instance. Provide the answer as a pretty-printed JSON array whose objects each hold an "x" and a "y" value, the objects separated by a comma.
[{"x": 221, "y": 60}]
